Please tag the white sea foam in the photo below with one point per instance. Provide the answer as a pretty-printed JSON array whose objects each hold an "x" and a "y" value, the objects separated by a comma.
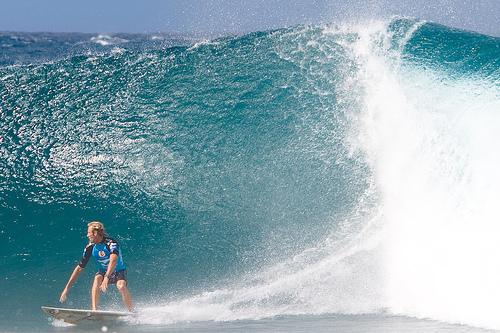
[
  {"x": 430, "y": 139},
  {"x": 60, "y": 323},
  {"x": 202, "y": 43},
  {"x": 106, "y": 40}
]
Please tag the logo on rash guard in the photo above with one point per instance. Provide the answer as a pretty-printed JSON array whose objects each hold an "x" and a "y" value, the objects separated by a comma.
[
  {"x": 102, "y": 254},
  {"x": 112, "y": 246}
]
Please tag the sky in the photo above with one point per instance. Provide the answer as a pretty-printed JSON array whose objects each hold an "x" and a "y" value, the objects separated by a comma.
[{"x": 233, "y": 16}]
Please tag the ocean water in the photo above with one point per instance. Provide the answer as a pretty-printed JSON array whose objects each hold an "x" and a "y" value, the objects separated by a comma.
[{"x": 306, "y": 179}]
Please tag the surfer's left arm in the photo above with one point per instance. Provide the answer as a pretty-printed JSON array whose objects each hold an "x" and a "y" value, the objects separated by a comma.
[{"x": 113, "y": 258}]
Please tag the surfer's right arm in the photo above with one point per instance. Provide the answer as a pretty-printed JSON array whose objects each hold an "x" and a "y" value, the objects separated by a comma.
[
  {"x": 87, "y": 253},
  {"x": 71, "y": 280}
]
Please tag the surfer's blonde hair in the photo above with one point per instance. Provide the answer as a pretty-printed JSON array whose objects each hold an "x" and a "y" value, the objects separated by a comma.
[{"x": 97, "y": 226}]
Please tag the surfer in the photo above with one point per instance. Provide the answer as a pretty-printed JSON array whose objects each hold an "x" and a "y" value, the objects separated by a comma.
[{"x": 111, "y": 268}]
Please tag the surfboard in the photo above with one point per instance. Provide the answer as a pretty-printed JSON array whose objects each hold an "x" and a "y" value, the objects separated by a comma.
[{"x": 74, "y": 316}]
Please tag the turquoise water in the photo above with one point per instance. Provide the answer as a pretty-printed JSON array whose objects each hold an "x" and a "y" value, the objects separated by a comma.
[{"x": 295, "y": 172}]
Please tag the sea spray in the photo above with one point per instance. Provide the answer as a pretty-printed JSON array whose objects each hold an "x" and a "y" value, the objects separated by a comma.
[
  {"x": 429, "y": 138},
  {"x": 423, "y": 140}
]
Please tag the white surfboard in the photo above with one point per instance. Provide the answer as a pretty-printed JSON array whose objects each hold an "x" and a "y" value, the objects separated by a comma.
[{"x": 74, "y": 316}]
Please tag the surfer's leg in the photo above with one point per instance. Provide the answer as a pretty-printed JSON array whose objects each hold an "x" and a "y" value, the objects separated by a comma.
[
  {"x": 127, "y": 299},
  {"x": 96, "y": 291}
]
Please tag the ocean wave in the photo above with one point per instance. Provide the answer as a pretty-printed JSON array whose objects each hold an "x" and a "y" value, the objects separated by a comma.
[{"x": 305, "y": 170}]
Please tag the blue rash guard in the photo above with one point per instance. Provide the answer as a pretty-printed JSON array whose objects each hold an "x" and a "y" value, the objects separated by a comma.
[{"x": 101, "y": 252}]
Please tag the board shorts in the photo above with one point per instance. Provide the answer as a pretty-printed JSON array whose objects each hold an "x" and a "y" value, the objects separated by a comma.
[{"x": 115, "y": 276}]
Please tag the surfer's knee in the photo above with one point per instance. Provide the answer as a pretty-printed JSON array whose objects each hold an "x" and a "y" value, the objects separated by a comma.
[
  {"x": 121, "y": 285},
  {"x": 98, "y": 279}
]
